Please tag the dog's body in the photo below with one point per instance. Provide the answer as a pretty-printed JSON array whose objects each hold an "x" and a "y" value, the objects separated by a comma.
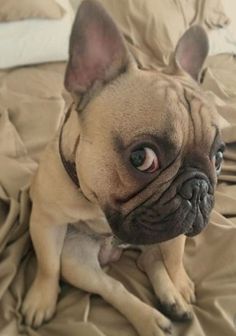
[
  {"x": 88, "y": 246},
  {"x": 129, "y": 187}
]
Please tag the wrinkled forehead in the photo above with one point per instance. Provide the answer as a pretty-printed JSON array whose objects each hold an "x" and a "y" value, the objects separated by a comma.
[{"x": 143, "y": 102}]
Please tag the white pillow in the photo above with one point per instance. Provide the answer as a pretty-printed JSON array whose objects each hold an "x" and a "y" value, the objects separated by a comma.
[
  {"x": 223, "y": 40},
  {"x": 75, "y": 3},
  {"x": 36, "y": 40},
  {"x": 230, "y": 10}
]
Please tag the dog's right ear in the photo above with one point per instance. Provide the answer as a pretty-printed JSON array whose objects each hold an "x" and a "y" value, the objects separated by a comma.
[
  {"x": 192, "y": 50},
  {"x": 97, "y": 52}
]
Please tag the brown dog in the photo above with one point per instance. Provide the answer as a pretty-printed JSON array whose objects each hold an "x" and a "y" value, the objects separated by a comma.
[{"x": 135, "y": 162}]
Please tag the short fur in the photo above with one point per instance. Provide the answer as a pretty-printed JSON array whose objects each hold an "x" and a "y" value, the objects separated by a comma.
[{"x": 117, "y": 106}]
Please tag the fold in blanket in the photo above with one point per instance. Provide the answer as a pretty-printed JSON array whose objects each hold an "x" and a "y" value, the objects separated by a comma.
[
  {"x": 32, "y": 105},
  {"x": 152, "y": 28}
]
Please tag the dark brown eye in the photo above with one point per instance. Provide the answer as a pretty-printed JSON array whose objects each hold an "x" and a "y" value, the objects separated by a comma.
[
  {"x": 145, "y": 160},
  {"x": 218, "y": 158}
]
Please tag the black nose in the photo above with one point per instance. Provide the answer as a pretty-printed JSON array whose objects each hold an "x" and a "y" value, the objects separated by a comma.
[{"x": 194, "y": 190}]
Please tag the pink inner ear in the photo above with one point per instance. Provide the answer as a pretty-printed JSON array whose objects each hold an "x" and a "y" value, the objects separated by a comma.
[
  {"x": 96, "y": 58},
  {"x": 90, "y": 61},
  {"x": 188, "y": 59},
  {"x": 192, "y": 50},
  {"x": 99, "y": 52},
  {"x": 97, "y": 49}
]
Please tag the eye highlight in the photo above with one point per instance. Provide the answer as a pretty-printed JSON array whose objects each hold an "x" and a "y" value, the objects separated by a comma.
[
  {"x": 145, "y": 160},
  {"x": 218, "y": 159}
]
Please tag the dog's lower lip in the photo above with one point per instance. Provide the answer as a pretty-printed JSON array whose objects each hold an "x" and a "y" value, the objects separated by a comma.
[{"x": 189, "y": 225}]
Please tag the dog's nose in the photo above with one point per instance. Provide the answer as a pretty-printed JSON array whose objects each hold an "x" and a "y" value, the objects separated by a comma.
[{"x": 194, "y": 190}]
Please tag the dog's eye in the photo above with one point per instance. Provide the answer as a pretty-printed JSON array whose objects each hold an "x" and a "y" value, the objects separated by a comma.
[
  {"x": 218, "y": 159},
  {"x": 145, "y": 160}
]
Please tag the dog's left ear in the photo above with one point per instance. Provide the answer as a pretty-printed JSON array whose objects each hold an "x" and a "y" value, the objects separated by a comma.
[
  {"x": 97, "y": 52},
  {"x": 191, "y": 51}
]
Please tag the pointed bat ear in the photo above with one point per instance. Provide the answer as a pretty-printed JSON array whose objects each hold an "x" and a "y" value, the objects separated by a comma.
[
  {"x": 97, "y": 52},
  {"x": 192, "y": 50}
]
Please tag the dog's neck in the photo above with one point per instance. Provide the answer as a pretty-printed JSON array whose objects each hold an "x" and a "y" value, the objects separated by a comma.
[{"x": 68, "y": 143}]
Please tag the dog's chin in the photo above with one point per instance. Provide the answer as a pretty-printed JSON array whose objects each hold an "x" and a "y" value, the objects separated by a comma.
[{"x": 143, "y": 229}]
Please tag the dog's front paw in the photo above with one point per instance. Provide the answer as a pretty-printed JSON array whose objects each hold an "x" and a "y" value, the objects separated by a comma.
[
  {"x": 40, "y": 302},
  {"x": 173, "y": 305},
  {"x": 184, "y": 285},
  {"x": 153, "y": 323},
  {"x": 171, "y": 294},
  {"x": 176, "y": 294}
]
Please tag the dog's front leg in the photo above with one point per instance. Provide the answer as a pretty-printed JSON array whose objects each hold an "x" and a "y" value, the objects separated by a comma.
[
  {"x": 172, "y": 252},
  {"x": 163, "y": 264},
  {"x": 48, "y": 237},
  {"x": 81, "y": 268}
]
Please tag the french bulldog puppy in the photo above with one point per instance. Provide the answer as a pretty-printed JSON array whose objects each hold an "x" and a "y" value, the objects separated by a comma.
[{"x": 135, "y": 162}]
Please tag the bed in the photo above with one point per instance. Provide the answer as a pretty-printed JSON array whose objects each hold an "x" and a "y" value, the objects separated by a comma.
[{"x": 32, "y": 106}]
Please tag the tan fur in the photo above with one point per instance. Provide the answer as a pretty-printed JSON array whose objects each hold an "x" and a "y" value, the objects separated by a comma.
[
  {"x": 152, "y": 103},
  {"x": 56, "y": 200}
]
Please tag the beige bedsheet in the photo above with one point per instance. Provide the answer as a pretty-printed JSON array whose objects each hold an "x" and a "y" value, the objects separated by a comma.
[{"x": 32, "y": 102}]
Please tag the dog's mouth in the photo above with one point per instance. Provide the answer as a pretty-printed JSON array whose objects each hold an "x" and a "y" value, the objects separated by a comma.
[{"x": 161, "y": 219}]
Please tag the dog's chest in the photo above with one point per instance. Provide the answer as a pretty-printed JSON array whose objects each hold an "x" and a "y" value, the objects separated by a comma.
[
  {"x": 108, "y": 252},
  {"x": 104, "y": 245}
]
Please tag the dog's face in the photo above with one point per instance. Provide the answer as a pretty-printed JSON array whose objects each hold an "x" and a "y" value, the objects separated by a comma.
[{"x": 150, "y": 147}]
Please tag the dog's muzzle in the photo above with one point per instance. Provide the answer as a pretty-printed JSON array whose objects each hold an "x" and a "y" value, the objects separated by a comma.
[{"x": 184, "y": 208}]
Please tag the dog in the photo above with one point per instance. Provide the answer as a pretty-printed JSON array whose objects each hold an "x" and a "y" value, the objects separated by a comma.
[{"x": 135, "y": 163}]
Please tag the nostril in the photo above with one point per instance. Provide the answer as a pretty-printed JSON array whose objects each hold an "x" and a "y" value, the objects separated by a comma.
[
  {"x": 186, "y": 190},
  {"x": 204, "y": 189},
  {"x": 194, "y": 188}
]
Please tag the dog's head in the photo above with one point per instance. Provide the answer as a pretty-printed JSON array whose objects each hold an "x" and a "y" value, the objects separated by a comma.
[{"x": 150, "y": 148}]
